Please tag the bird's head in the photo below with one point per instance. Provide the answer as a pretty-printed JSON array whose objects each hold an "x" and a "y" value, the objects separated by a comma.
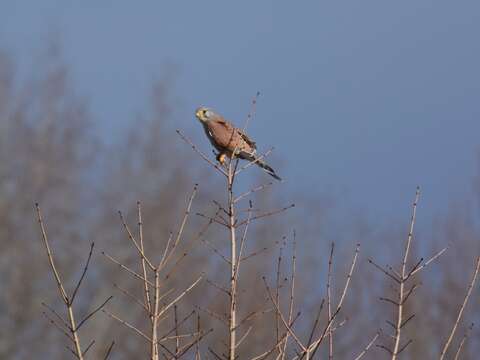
[{"x": 204, "y": 114}]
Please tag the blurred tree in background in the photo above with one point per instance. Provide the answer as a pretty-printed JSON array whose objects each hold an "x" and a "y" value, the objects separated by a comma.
[{"x": 51, "y": 153}]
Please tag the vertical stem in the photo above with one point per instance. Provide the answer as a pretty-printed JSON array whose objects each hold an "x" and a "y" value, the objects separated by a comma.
[
  {"x": 144, "y": 269},
  {"x": 462, "y": 308},
  {"x": 73, "y": 327},
  {"x": 197, "y": 351},
  {"x": 398, "y": 327},
  {"x": 154, "y": 316},
  {"x": 233, "y": 260},
  {"x": 329, "y": 303},
  {"x": 277, "y": 300},
  {"x": 68, "y": 302},
  {"x": 177, "y": 341}
]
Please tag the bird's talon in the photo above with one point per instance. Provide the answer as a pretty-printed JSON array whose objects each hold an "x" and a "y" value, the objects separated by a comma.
[{"x": 221, "y": 158}]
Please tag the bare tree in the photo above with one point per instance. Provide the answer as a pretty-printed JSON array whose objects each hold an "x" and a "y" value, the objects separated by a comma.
[
  {"x": 70, "y": 327},
  {"x": 401, "y": 278},
  {"x": 155, "y": 295}
]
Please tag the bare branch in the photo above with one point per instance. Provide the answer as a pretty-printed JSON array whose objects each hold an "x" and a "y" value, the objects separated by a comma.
[
  {"x": 132, "y": 297},
  {"x": 365, "y": 350},
  {"x": 88, "y": 347},
  {"x": 93, "y": 313},
  {"x": 128, "y": 325},
  {"x": 349, "y": 276},
  {"x": 250, "y": 163},
  {"x": 292, "y": 293},
  {"x": 251, "y": 191},
  {"x": 405, "y": 346},
  {"x": 204, "y": 157},
  {"x": 134, "y": 242},
  {"x": 72, "y": 325},
  {"x": 412, "y": 289},
  {"x": 218, "y": 287},
  {"x": 179, "y": 297},
  {"x": 460, "y": 346},
  {"x": 58, "y": 327},
  {"x": 109, "y": 350},
  {"x": 59, "y": 317},
  {"x": 83, "y": 274},
  {"x": 389, "y": 301},
  {"x": 127, "y": 269},
  {"x": 433, "y": 258},
  {"x": 189, "y": 346},
  {"x": 462, "y": 308},
  {"x": 242, "y": 339},
  {"x": 212, "y": 219},
  {"x": 62, "y": 291},
  {"x": 370, "y": 261},
  {"x": 401, "y": 297},
  {"x": 146, "y": 289},
  {"x": 287, "y": 326},
  {"x": 407, "y": 320},
  {"x": 177, "y": 325},
  {"x": 329, "y": 302},
  {"x": 255, "y": 253},
  {"x": 213, "y": 314},
  {"x": 314, "y": 327},
  {"x": 270, "y": 213}
]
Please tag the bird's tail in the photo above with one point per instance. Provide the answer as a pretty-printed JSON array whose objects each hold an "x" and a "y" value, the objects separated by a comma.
[
  {"x": 263, "y": 165},
  {"x": 268, "y": 169}
]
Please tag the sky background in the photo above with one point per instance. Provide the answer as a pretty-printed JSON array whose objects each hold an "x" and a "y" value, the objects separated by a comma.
[{"x": 362, "y": 99}]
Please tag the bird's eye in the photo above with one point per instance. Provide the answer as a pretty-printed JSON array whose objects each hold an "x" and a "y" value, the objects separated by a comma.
[{"x": 205, "y": 112}]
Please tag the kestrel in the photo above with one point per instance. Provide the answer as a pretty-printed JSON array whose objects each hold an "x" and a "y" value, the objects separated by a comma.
[{"x": 227, "y": 139}]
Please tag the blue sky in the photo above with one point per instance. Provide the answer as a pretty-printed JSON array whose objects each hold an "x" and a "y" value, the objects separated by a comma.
[{"x": 362, "y": 99}]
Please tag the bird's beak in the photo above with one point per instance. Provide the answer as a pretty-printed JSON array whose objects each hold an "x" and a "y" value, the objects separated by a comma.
[{"x": 198, "y": 114}]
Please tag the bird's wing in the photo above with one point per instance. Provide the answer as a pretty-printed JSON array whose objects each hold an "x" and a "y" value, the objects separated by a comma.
[
  {"x": 230, "y": 138},
  {"x": 247, "y": 139}
]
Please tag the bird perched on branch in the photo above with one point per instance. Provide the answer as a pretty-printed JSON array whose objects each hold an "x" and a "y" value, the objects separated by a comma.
[{"x": 229, "y": 140}]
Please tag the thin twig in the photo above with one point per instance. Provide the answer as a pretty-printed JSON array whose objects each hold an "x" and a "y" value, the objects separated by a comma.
[
  {"x": 128, "y": 325},
  {"x": 349, "y": 277},
  {"x": 146, "y": 288},
  {"x": 397, "y": 280},
  {"x": 433, "y": 258},
  {"x": 127, "y": 269},
  {"x": 398, "y": 327},
  {"x": 460, "y": 346},
  {"x": 182, "y": 227},
  {"x": 251, "y": 191},
  {"x": 292, "y": 293},
  {"x": 59, "y": 328},
  {"x": 204, "y": 157},
  {"x": 109, "y": 350},
  {"x": 50, "y": 256},
  {"x": 267, "y": 214},
  {"x": 132, "y": 297},
  {"x": 289, "y": 329},
  {"x": 329, "y": 302},
  {"x": 257, "y": 159},
  {"x": 132, "y": 239},
  {"x": 71, "y": 318},
  {"x": 59, "y": 317},
  {"x": 83, "y": 274},
  {"x": 462, "y": 308},
  {"x": 179, "y": 297},
  {"x": 97, "y": 309}
]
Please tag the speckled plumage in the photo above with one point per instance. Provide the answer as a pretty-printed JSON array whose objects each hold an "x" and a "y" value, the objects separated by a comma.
[{"x": 227, "y": 139}]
